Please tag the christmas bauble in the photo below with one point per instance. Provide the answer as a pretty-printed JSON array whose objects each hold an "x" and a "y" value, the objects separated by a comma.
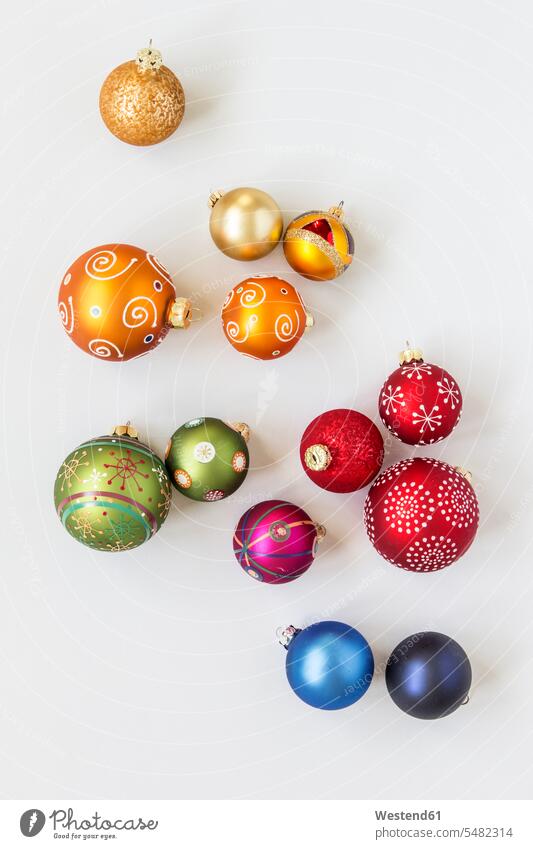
[
  {"x": 245, "y": 223},
  {"x": 142, "y": 101},
  {"x": 318, "y": 245},
  {"x": 118, "y": 302},
  {"x": 419, "y": 403},
  {"x": 264, "y": 317},
  {"x": 428, "y": 675},
  {"x": 329, "y": 665},
  {"x": 112, "y": 493},
  {"x": 207, "y": 459},
  {"x": 275, "y": 541},
  {"x": 341, "y": 450},
  {"x": 421, "y": 514}
]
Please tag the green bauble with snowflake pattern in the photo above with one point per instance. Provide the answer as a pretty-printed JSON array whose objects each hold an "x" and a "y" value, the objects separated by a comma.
[
  {"x": 112, "y": 493},
  {"x": 208, "y": 459}
]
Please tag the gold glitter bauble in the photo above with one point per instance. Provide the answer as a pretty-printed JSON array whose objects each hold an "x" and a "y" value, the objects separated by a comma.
[
  {"x": 245, "y": 223},
  {"x": 142, "y": 101}
]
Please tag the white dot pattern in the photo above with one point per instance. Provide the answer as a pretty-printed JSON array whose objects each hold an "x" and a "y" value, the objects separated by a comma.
[{"x": 421, "y": 514}]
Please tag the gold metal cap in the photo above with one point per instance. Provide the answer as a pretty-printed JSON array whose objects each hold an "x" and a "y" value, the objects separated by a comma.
[
  {"x": 464, "y": 472},
  {"x": 309, "y": 321},
  {"x": 180, "y": 313},
  {"x": 214, "y": 198},
  {"x": 242, "y": 428},
  {"x": 317, "y": 457},
  {"x": 409, "y": 354},
  {"x": 320, "y": 532},
  {"x": 337, "y": 211},
  {"x": 125, "y": 430},
  {"x": 149, "y": 59}
]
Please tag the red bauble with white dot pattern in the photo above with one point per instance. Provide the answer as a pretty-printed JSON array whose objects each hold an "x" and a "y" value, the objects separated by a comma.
[
  {"x": 420, "y": 403},
  {"x": 421, "y": 514}
]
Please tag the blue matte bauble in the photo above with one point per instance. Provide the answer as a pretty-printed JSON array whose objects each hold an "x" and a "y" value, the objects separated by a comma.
[
  {"x": 329, "y": 665},
  {"x": 428, "y": 675}
]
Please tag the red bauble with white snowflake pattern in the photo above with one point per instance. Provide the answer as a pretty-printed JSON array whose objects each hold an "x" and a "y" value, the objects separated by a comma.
[
  {"x": 420, "y": 403},
  {"x": 421, "y": 514}
]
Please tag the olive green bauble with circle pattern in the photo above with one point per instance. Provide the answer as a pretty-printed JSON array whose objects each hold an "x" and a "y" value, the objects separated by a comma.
[{"x": 207, "y": 459}]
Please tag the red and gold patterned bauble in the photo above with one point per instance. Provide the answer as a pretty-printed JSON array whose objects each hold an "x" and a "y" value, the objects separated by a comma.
[
  {"x": 421, "y": 514},
  {"x": 264, "y": 317},
  {"x": 142, "y": 101},
  {"x": 341, "y": 450},
  {"x": 118, "y": 302},
  {"x": 318, "y": 245},
  {"x": 419, "y": 403}
]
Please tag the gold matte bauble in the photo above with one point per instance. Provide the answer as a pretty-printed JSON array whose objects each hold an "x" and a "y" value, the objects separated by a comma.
[
  {"x": 318, "y": 245},
  {"x": 245, "y": 224},
  {"x": 142, "y": 101}
]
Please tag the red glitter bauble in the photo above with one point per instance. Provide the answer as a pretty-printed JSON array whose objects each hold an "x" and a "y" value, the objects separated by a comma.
[
  {"x": 421, "y": 514},
  {"x": 341, "y": 450},
  {"x": 419, "y": 403}
]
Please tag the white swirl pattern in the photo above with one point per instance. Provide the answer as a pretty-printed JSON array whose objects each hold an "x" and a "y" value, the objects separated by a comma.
[
  {"x": 157, "y": 266},
  {"x": 233, "y": 329},
  {"x": 253, "y": 295},
  {"x": 229, "y": 298},
  {"x": 99, "y": 263},
  {"x": 66, "y": 312},
  {"x": 104, "y": 348},
  {"x": 285, "y": 329},
  {"x": 138, "y": 311}
]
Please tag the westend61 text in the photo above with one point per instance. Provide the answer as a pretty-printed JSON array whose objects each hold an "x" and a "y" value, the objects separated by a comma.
[{"x": 407, "y": 815}]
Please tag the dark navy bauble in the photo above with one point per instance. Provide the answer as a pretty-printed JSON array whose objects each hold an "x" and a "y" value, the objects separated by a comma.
[
  {"x": 428, "y": 675},
  {"x": 329, "y": 665}
]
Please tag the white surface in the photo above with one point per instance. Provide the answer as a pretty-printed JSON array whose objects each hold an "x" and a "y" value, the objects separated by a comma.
[{"x": 156, "y": 673}]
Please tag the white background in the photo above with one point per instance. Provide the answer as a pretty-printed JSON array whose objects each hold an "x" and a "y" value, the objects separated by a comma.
[{"x": 156, "y": 674}]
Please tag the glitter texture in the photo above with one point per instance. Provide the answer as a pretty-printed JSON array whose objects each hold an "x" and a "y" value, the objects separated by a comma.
[{"x": 141, "y": 107}]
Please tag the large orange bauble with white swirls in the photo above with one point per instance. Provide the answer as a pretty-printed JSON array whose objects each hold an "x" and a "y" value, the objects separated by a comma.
[
  {"x": 116, "y": 301},
  {"x": 264, "y": 317}
]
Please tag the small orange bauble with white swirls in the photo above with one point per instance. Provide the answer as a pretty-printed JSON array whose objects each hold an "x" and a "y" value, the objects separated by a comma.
[
  {"x": 117, "y": 302},
  {"x": 264, "y": 317}
]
